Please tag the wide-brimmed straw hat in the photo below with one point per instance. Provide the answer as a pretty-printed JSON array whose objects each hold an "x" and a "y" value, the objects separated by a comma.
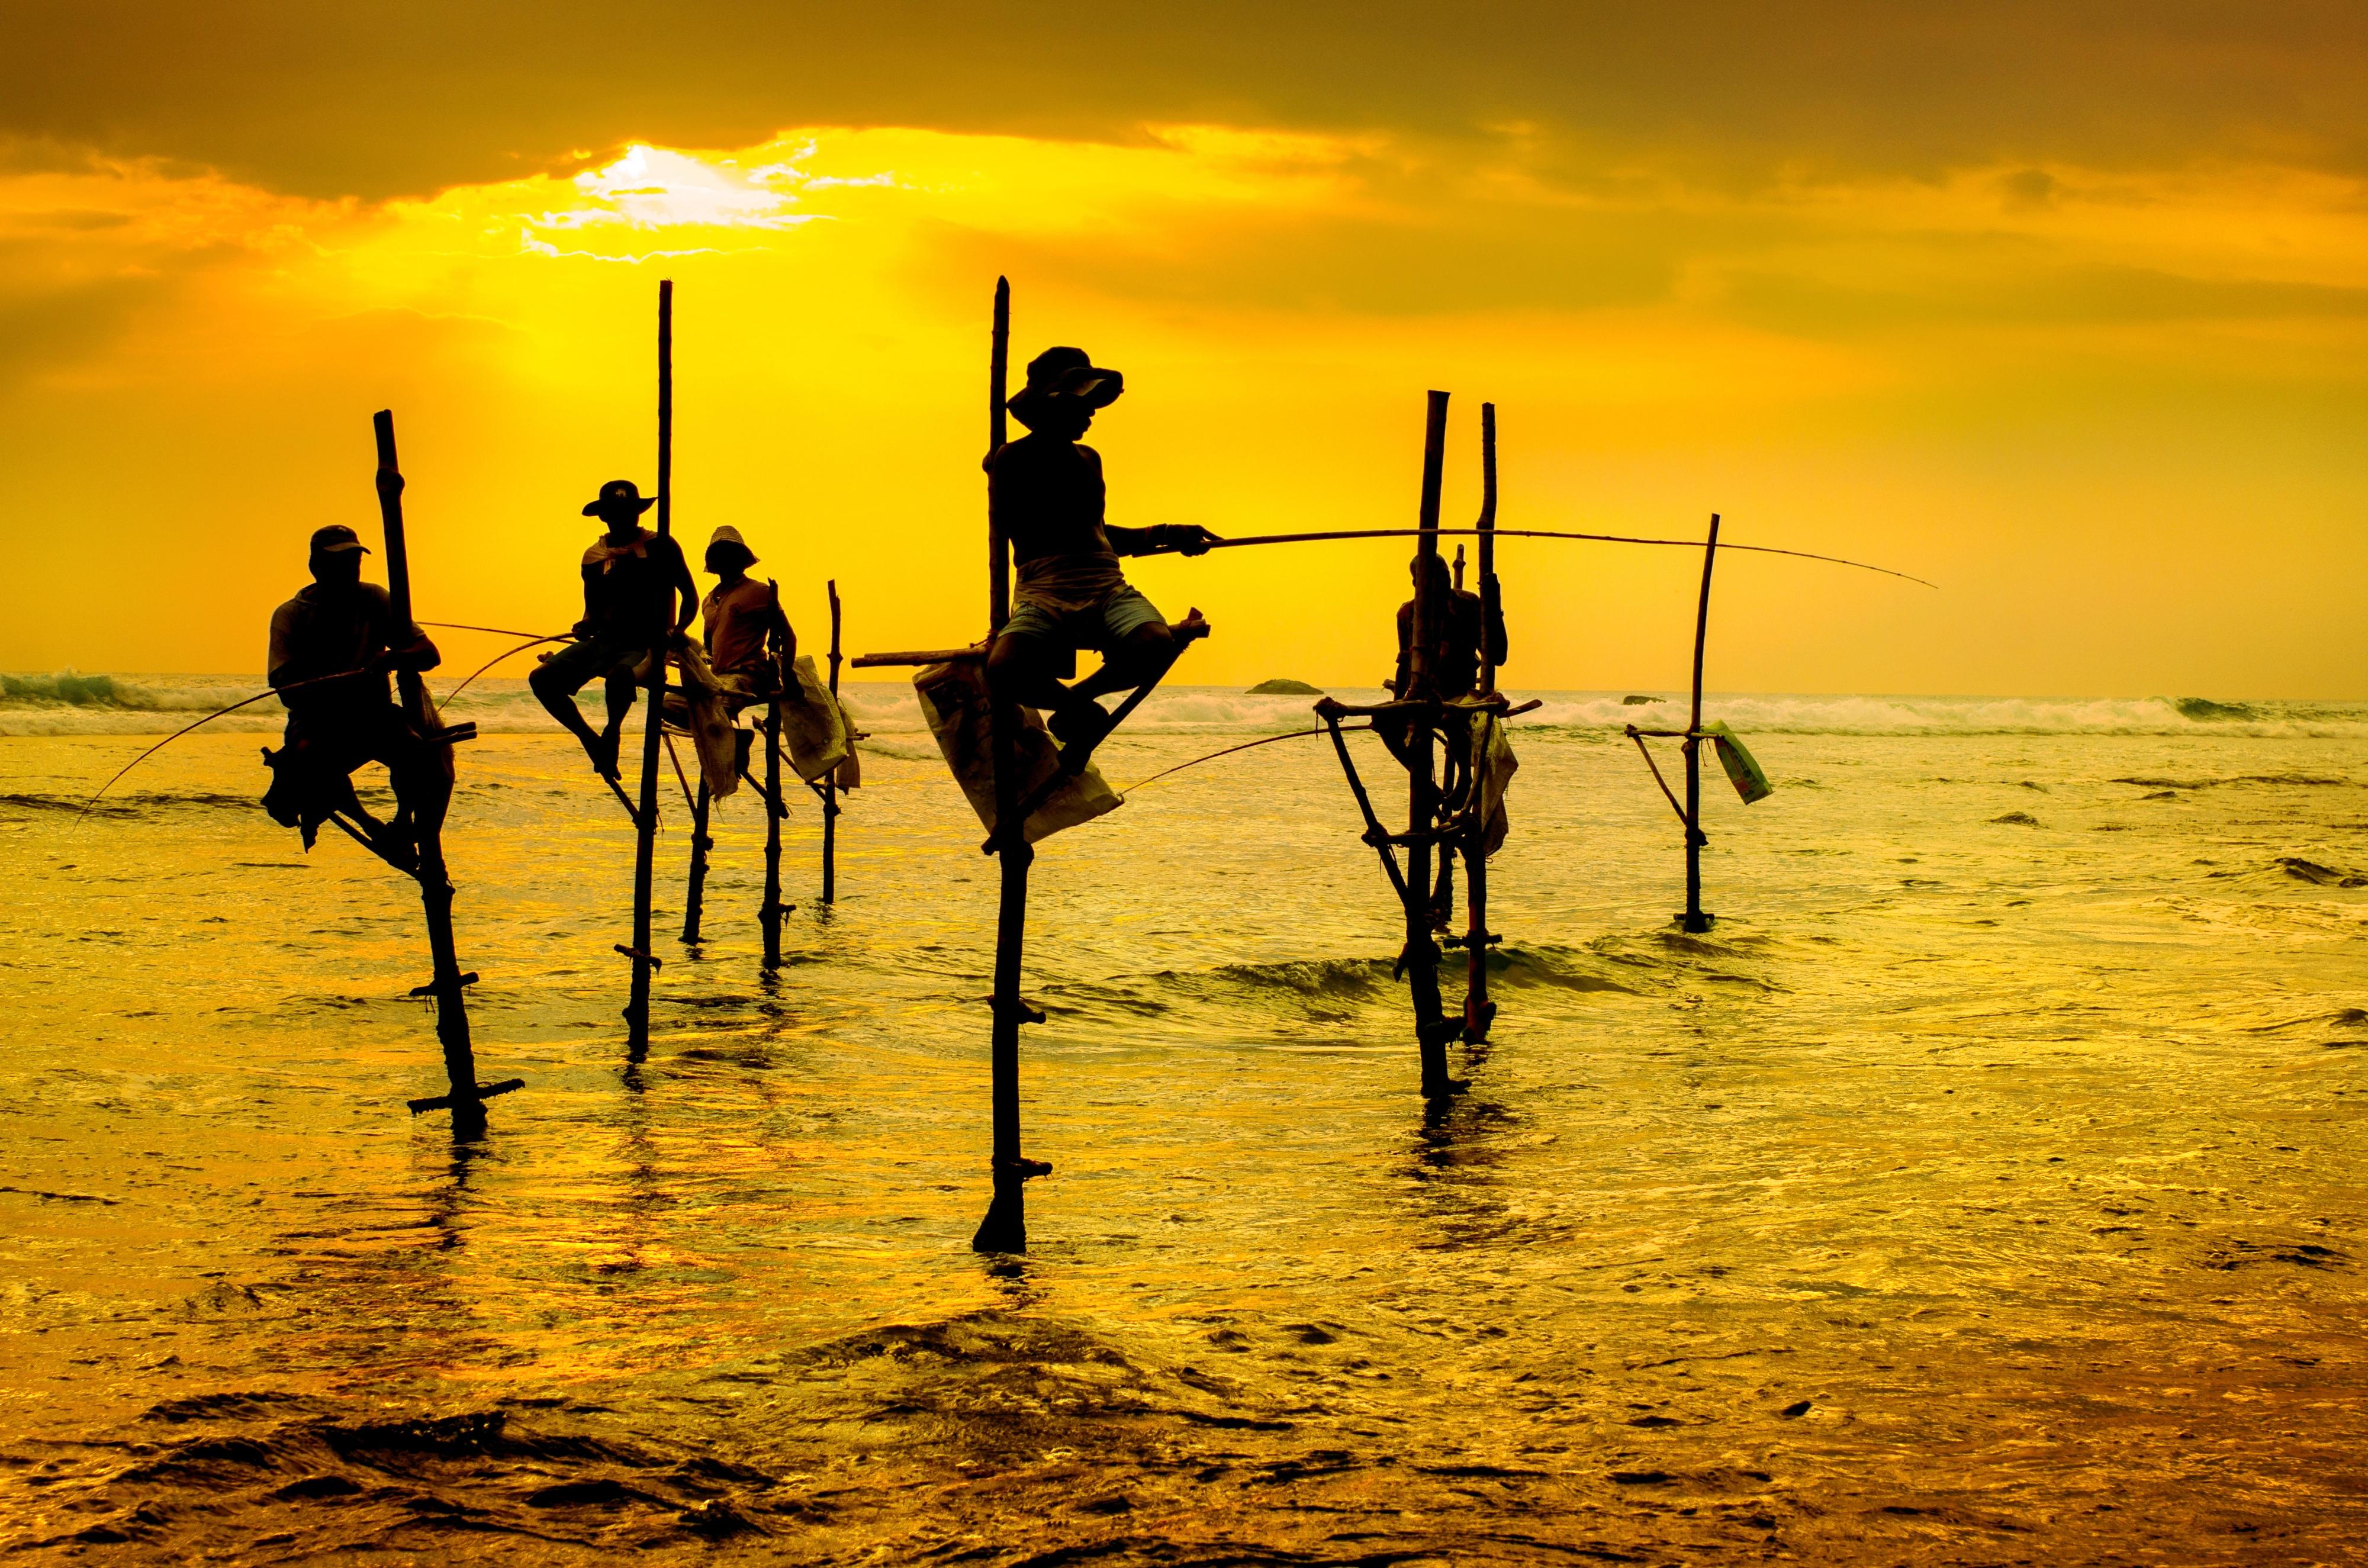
[
  {"x": 729, "y": 535},
  {"x": 619, "y": 492},
  {"x": 1067, "y": 374}
]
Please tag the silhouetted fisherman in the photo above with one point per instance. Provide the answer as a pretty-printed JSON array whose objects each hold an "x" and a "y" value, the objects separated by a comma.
[
  {"x": 1047, "y": 496},
  {"x": 1463, "y": 624},
  {"x": 627, "y": 573},
  {"x": 739, "y": 614},
  {"x": 341, "y": 624}
]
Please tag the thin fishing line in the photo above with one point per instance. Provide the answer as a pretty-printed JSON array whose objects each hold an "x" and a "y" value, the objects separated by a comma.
[
  {"x": 480, "y": 669},
  {"x": 1548, "y": 533},
  {"x": 168, "y": 740},
  {"x": 1246, "y": 745},
  {"x": 496, "y": 631}
]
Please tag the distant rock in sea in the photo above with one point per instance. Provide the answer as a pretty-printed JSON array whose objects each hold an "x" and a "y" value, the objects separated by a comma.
[
  {"x": 2018, "y": 819},
  {"x": 1634, "y": 701},
  {"x": 1280, "y": 688}
]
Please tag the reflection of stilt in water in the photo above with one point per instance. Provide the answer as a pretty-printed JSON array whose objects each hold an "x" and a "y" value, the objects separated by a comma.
[
  {"x": 446, "y": 985},
  {"x": 1005, "y": 1227}
]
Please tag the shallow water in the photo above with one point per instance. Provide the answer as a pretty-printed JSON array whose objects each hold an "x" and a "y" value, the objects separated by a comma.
[{"x": 1984, "y": 1188}]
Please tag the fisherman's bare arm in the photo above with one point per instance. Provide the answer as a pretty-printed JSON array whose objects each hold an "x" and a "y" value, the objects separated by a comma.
[
  {"x": 1163, "y": 538},
  {"x": 583, "y": 629},
  {"x": 785, "y": 636},
  {"x": 686, "y": 592}
]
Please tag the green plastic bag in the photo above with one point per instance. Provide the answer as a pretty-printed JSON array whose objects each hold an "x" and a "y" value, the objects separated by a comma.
[{"x": 1743, "y": 769}]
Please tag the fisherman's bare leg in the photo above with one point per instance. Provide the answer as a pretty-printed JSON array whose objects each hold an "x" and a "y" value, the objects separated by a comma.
[
  {"x": 1145, "y": 652},
  {"x": 1017, "y": 671},
  {"x": 620, "y": 692},
  {"x": 558, "y": 698}
]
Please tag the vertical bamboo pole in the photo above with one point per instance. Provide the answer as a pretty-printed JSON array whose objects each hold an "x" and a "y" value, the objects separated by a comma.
[
  {"x": 998, "y": 369},
  {"x": 694, "y": 893},
  {"x": 1695, "y": 920},
  {"x": 637, "y": 1009},
  {"x": 830, "y": 779},
  {"x": 446, "y": 984},
  {"x": 1487, "y": 540},
  {"x": 1479, "y": 1011},
  {"x": 1421, "y": 955},
  {"x": 771, "y": 915},
  {"x": 1005, "y": 1228}
]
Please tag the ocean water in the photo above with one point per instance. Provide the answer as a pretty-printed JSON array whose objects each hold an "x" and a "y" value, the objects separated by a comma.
[{"x": 1985, "y": 1187}]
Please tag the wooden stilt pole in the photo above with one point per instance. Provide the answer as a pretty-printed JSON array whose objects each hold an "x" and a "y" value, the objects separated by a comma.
[
  {"x": 1479, "y": 1011},
  {"x": 772, "y": 911},
  {"x": 830, "y": 779},
  {"x": 998, "y": 365},
  {"x": 433, "y": 792},
  {"x": 1005, "y": 1229},
  {"x": 1420, "y": 957},
  {"x": 637, "y": 1008},
  {"x": 1694, "y": 919},
  {"x": 694, "y": 893}
]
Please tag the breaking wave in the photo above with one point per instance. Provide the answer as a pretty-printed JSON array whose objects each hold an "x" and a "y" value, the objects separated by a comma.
[{"x": 71, "y": 703}]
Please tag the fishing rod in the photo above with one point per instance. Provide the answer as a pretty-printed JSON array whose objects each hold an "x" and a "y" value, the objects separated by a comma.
[
  {"x": 168, "y": 740},
  {"x": 506, "y": 631},
  {"x": 315, "y": 680},
  {"x": 499, "y": 658},
  {"x": 1246, "y": 745},
  {"x": 1536, "y": 533}
]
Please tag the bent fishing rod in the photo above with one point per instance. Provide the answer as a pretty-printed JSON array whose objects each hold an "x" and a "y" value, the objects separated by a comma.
[
  {"x": 298, "y": 685},
  {"x": 1534, "y": 533},
  {"x": 168, "y": 740}
]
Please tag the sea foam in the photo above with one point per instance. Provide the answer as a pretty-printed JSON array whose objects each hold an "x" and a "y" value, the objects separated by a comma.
[{"x": 72, "y": 703}]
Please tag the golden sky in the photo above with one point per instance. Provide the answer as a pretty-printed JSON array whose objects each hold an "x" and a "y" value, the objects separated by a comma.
[{"x": 2062, "y": 306}]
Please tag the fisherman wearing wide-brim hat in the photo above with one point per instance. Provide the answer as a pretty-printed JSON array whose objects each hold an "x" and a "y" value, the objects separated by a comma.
[
  {"x": 341, "y": 626},
  {"x": 1046, "y": 493},
  {"x": 630, "y": 576}
]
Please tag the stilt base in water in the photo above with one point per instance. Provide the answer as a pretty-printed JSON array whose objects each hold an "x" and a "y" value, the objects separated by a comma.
[{"x": 484, "y": 1092}]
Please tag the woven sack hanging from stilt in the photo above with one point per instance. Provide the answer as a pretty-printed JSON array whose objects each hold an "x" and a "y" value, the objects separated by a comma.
[{"x": 954, "y": 702}]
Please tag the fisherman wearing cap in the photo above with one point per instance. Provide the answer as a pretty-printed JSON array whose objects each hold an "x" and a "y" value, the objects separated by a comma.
[
  {"x": 342, "y": 627},
  {"x": 1046, "y": 496},
  {"x": 739, "y": 611},
  {"x": 628, "y": 575}
]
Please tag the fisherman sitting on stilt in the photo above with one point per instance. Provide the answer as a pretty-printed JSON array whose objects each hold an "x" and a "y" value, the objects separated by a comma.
[
  {"x": 1465, "y": 624},
  {"x": 628, "y": 572},
  {"x": 343, "y": 626},
  {"x": 1464, "y": 628},
  {"x": 1046, "y": 496},
  {"x": 739, "y": 615}
]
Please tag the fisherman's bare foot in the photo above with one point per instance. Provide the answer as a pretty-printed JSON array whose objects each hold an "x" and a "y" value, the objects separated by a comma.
[{"x": 602, "y": 749}]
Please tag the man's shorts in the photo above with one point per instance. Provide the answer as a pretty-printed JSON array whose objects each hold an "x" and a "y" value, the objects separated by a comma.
[
  {"x": 1103, "y": 626},
  {"x": 587, "y": 659},
  {"x": 339, "y": 738}
]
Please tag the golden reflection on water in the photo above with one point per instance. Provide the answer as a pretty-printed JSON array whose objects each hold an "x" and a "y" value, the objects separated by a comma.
[{"x": 1979, "y": 1189}]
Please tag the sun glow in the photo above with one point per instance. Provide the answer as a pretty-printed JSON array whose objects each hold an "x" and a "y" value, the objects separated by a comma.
[{"x": 1944, "y": 375}]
